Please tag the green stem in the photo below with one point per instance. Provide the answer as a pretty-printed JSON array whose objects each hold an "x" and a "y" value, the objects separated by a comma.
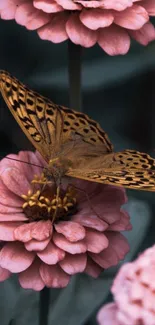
[
  {"x": 74, "y": 73},
  {"x": 44, "y": 306}
]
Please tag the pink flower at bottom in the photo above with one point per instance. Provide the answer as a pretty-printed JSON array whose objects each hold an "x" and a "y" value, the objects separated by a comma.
[
  {"x": 134, "y": 293},
  {"x": 110, "y": 23},
  {"x": 47, "y": 252}
]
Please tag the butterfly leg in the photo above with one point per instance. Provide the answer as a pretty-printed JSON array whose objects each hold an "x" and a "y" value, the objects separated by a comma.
[{"x": 57, "y": 203}]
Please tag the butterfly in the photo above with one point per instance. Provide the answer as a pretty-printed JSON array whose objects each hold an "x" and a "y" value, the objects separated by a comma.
[{"x": 73, "y": 144}]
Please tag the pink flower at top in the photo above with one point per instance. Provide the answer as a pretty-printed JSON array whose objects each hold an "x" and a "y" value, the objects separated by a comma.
[
  {"x": 110, "y": 23},
  {"x": 134, "y": 294},
  {"x": 44, "y": 251}
]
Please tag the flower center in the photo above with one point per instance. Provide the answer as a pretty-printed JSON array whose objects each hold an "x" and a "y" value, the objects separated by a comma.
[{"x": 43, "y": 203}]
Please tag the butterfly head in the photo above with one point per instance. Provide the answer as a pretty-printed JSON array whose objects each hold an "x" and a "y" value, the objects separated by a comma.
[{"x": 57, "y": 168}]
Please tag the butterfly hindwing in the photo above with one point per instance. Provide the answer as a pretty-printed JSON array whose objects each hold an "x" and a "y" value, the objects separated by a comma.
[{"x": 129, "y": 168}]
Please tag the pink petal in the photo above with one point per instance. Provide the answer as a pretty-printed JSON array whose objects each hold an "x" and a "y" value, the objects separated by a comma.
[
  {"x": 53, "y": 276},
  {"x": 90, "y": 3},
  {"x": 15, "y": 258},
  {"x": 39, "y": 230},
  {"x": 96, "y": 18},
  {"x": 72, "y": 248},
  {"x": 13, "y": 217},
  {"x": 48, "y": 6},
  {"x": 8, "y": 13},
  {"x": 4, "y": 4},
  {"x": 9, "y": 209},
  {"x": 96, "y": 241},
  {"x": 73, "y": 231},
  {"x": 106, "y": 258},
  {"x": 42, "y": 230},
  {"x": 4, "y": 274},
  {"x": 15, "y": 181},
  {"x": 7, "y": 4},
  {"x": 144, "y": 35},
  {"x": 90, "y": 221},
  {"x": 132, "y": 18},
  {"x": 78, "y": 33},
  {"x": 30, "y": 170},
  {"x": 7, "y": 230},
  {"x": 30, "y": 278},
  {"x": 108, "y": 315},
  {"x": 112, "y": 215},
  {"x": 119, "y": 243},
  {"x": 31, "y": 18},
  {"x": 92, "y": 268},
  {"x": 116, "y": 4},
  {"x": 109, "y": 197},
  {"x": 51, "y": 254},
  {"x": 6, "y": 163},
  {"x": 73, "y": 264},
  {"x": 114, "y": 40},
  {"x": 149, "y": 6},
  {"x": 35, "y": 245},
  {"x": 68, "y": 4},
  {"x": 8, "y": 198},
  {"x": 55, "y": 30},
  {"x": 122, "y": 224}
]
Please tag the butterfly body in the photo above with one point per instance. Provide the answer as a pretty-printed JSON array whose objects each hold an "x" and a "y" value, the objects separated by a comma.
[
  {"x": 72, "y": 144},
  {"x": 57, "y": 169}
]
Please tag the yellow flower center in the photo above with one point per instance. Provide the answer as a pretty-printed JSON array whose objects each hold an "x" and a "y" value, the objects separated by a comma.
[{"x": 43, "y": 204}]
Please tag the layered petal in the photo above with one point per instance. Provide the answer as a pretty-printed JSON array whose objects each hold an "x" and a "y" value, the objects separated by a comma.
[
  {"x": 15, "y": 258},
  {"x": 4, "y": 274},
  {"x": 70, "y": 247},
  {"x": 78, "y": 33},
  {"x": 114, "y": 40},
  {"x": 31, "y": 278},
  {"x": 96, "y": 241},
  {"x": 51, "y": 254},
  {"x": 30, "y": 17},
  {"x": 132, "y": 18},
  {"x": 144, "y": 35},
  {"x": 73, "y": 231},
  {"x": 81, "y": 20},
  {"x": 53, "y": 276},
  {"x": 47, "y": 6},
  {"x": 96, "y": 18},
  {"x": 73, "y": 264},
  {"x": 92, "y": 268},
  {"x": 55, "y": 30},
  {"x": 40, "y": 230}
]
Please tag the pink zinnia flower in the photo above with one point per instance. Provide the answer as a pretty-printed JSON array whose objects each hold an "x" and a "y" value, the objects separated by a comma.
[
  {"x": 134, "y": 293},
  {"x": 45, "y": 252},
  {"x": 110, "y": 23}
]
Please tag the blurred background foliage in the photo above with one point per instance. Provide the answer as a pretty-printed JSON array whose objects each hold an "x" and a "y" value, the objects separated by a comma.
[{"x": 119, "y": 92}]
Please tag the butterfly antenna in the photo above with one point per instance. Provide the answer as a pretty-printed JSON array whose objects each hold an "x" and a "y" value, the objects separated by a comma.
[{"x": 22, "y": 161}]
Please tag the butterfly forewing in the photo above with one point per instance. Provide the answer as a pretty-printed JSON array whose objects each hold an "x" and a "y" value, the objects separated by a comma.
[
  {"x": 47, "y": 125},
  {"x": 59, "y": 131}
]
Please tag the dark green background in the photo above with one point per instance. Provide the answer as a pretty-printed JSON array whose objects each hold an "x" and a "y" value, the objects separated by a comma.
[{"x": 119, "y": 92}]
